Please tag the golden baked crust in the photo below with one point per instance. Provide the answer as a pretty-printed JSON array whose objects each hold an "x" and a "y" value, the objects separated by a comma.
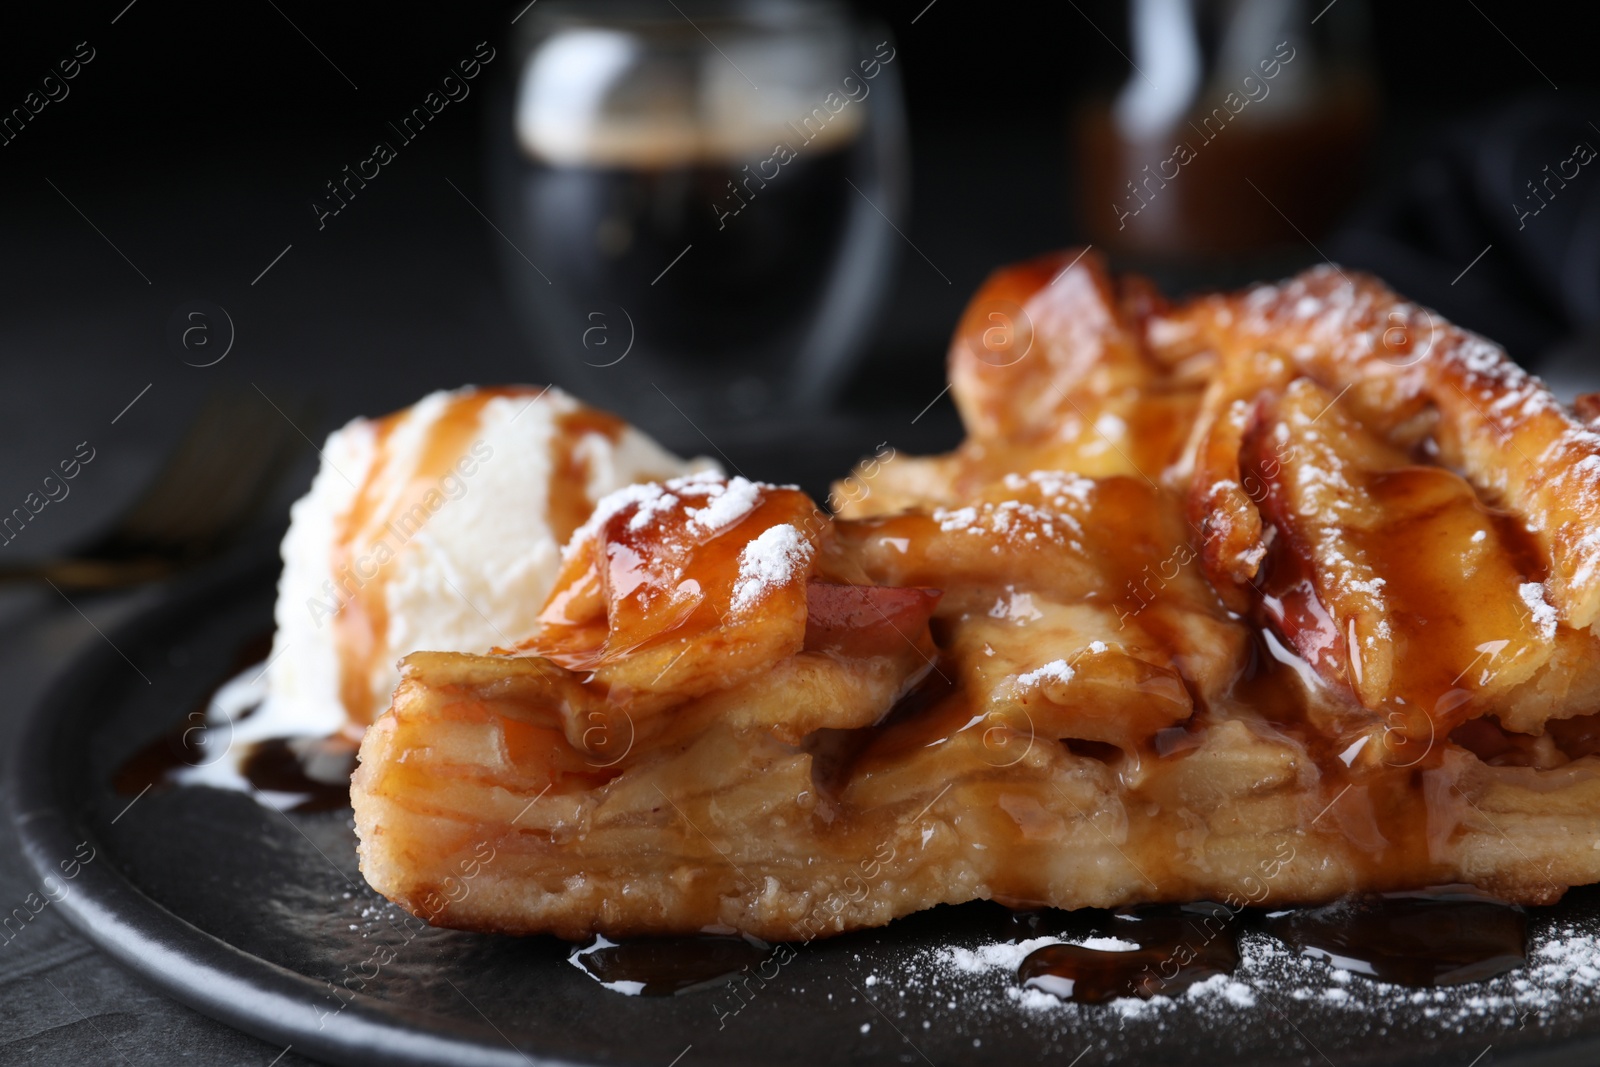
[{"x": 1266, "y": 597}]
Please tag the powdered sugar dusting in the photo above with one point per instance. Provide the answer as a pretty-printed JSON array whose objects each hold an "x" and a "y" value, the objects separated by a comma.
[
  {"x": 1008, "y": 955},
  {"x": 712, "y": 505},
  {"x": 1057, "y": 670},
  {"x": 1057, "y": 488},
  {"x": 729, "y": 503},
  {"x": 647, "y": 495},
  {"x": 651, "y": 510},
  {"x": 1544, "y": 616},
  {"x": 1004, "y": 955},
  {"x": 770, "y": 561},
  {"x": 1278, "y": 1005},
  {"x": 1012, "y": 520}
]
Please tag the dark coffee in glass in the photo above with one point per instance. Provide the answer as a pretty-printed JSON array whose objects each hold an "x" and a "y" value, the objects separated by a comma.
[{"x": 700, "y": 204}]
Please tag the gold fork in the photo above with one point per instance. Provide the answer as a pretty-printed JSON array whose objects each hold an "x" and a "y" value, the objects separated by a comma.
[{"x": 230, "y": 459}]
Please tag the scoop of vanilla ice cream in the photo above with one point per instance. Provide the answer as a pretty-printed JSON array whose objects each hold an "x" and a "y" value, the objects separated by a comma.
[{"x": 439, "y": 527}]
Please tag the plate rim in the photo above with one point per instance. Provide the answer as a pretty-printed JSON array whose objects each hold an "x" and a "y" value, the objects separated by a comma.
[
  {"x": 227, "y": 983},
  {"x": 194, "y": 967}
]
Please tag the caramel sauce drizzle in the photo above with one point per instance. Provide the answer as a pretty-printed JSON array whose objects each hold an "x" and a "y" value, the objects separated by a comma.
[
  {"x": 362, "y": 622},
  {"x": 569, "y": 504}
]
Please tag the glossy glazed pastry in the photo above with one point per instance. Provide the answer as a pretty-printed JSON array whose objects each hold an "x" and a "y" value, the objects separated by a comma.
[
  {"x": 1266, "y": 597},
  {"x": 439, "y": 526}
]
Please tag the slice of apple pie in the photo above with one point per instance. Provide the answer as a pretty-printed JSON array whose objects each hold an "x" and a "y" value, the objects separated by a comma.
[{"x": 1265, "y": 597}]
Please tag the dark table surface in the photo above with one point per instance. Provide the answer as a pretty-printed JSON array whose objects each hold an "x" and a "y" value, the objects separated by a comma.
[{"x": 110, "y": 226}]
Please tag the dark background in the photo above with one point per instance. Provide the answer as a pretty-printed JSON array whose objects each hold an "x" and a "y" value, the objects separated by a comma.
[
  {"x": 199, "y": 135},
  {"x": 197, "y": 138}
]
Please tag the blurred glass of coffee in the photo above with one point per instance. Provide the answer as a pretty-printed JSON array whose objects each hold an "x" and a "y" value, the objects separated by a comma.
[{"x": 700, "y": 200}]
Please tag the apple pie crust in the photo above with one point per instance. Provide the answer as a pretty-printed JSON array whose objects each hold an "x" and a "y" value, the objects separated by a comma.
[{"x": 1263, "y": 597}]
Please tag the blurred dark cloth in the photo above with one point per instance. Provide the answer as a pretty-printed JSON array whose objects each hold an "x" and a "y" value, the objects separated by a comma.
[{"x": 1503, "y": 180}]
